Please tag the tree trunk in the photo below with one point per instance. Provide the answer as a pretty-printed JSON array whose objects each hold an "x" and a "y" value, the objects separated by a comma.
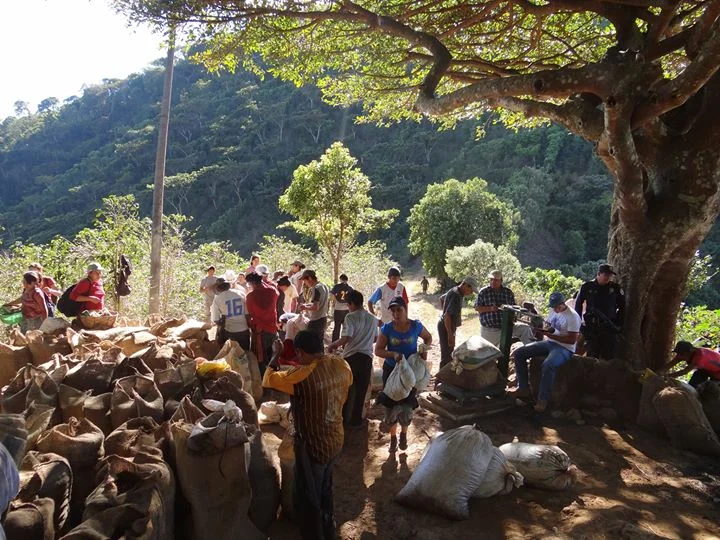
[
  {"x": 654, "y": 249},
  {"x": 159, "y": 186}
]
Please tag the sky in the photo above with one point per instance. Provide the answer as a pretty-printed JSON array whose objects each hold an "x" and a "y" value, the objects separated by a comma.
[{"x": 51, "y": 48}]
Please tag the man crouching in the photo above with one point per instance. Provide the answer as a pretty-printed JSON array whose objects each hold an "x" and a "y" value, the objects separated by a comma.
[{"x": 560, "y": 332}]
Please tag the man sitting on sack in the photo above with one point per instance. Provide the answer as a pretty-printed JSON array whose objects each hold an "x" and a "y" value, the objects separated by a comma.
[
  {"x": 488, "y": 304},
  {"x": 561, "y": 331}
]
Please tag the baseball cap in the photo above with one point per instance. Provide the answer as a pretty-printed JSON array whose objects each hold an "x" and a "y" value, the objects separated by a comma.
[
  {"x": 308, "y": 274},
  {"x": 398, "y": 301},
  {"x": 95, "y": 267},
  {"x": 262, "y": 269},
  {"x": 230, "y": 276},
  {"x": 299, "y": 264},
  {"x": 556, "y": 299},
  {"x": 497, "y": 274},
  {"x": 605, "y": 269},
  {"x": 472, "y": 283},
  {"x": 394, "y": 271},
  {"x": 683, "y": 347}
]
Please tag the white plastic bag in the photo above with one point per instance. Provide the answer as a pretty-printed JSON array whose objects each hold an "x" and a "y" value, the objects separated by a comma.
[
  {"x": 419, "y": 367},
  {"x": 294, "y": 322},
  {"x": 541, "y": 465},
  {"x": 400, "y": 382},
  {"x": 268, "y": 413},
  {"x": 500, "y": 478},
  {"x": 452, "y": 468}
]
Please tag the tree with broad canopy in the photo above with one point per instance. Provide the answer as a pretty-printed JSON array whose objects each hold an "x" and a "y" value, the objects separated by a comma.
[{"x": 637, "y": 78}]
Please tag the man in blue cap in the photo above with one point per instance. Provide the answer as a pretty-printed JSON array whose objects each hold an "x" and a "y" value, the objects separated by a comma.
[{"x": 560, "y": 332}]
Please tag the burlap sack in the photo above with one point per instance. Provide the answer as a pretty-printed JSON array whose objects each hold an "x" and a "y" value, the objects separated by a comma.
[
  {"x": 265, "y": 485},
  {"x": 134, "y": 436},
  {"x": 127, "y": 367},
  {"x": 72, "y": 402},
  {"x": 157, "y": 357},
  {"x": 218, "y": 488},
  {"x": 43, "y": 346},
  {"x": 144, "y": 482},
  {"x": 223, "y": 389},
  {"x": 12, "y": 359},
  {"x": 648, "y": 418},
  {"x": 110, "y": 523},
  {"x": 474, "y": 379},
  {"x": 97, "y": 410},
  {"x": 134, "y": 397},
  {"x": 47, "y": 476},
  {"x": 30, "y": 520},
  {"x": 709, "y": 393},
  {"x": 176, "y": 381},
  {"x": 160, "y": 327},
  {"x": 286, "y": 453},
  {"x": 187, "y": 411},
  {"x": 685, "y": 422},
  {"x": 132, "y": 343},
  {"x": 93, "y": 375},
  {"x": 245, "y": 364},
  {"x": 38, "y": 418},
  {"x": 31, "y": 385},
  {"x": 189, "y": 329},
  {"x": 202, "y": 348}
]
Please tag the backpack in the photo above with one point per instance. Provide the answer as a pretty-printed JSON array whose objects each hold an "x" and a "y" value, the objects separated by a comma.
[{"x": 68, "y": 306}]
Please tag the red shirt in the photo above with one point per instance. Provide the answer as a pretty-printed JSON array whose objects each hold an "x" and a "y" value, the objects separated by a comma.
[
  {"x": 86, "y": 287},
  {"x": 33, "y": 304},
  {"x": 707, "y": 360},
  {"x": 261, "y": 304}
]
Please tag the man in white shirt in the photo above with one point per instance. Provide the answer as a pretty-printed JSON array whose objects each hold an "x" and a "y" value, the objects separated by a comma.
[
  {"x": 230, "y": 304},
  {"x": 357, "y": 340},
  {"x": 561, "y": 332},
  {"x": 207, "y": 287},
  {"x": 385, "y": 294}
]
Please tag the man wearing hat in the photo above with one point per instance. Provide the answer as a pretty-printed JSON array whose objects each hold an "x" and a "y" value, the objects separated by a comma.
[
  {"x": 385, "y": 293},
  {"x": 488, "y": 303},
  {"x": 601, "y": 306},
  {"x": 90, "y": 290},
  {"x": 705, "y": 362},
  {"x": 560, "y": 332},
  {"x": 450, "y": 317},
  {"x": 207, "y": 287}
]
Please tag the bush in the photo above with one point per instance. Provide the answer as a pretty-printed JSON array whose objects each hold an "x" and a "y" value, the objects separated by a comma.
[
  {"x": 481, "y": 258},
  {"x": 539, "y": 283}
]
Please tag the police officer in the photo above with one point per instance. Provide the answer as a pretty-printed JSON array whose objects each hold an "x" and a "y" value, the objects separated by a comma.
[{"x": 601, "y": 305}]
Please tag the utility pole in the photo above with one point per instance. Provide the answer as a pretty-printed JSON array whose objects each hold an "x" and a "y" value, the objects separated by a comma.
[{"x": 159, "y": 185}]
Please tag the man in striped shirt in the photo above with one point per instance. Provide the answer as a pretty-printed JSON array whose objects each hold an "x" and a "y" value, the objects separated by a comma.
[{"x": 318, "y": 388}]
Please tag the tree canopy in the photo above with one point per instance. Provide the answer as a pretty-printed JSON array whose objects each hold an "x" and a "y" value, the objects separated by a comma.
[
  {"x": 458, "y": 213},
  {"x": 330, "y": 198}
]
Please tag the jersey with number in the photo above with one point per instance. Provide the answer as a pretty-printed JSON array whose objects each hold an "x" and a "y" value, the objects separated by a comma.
[
  {"x": 383, "y": 295},
  {"x": 231, "y": 304}
]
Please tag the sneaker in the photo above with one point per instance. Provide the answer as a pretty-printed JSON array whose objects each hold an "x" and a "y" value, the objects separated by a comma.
[
  {"x": 393, "y": 443},
  {"x": 403, "y": 440}
]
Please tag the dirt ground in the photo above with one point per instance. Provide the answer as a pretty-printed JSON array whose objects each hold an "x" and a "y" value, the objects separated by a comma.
[{"x": 630, "y": 484}]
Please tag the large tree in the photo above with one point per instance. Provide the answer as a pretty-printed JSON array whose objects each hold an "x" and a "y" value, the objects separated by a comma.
[{"x": 638, "y": 78}]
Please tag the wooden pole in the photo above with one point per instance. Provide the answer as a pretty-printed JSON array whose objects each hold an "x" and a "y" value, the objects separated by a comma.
[{"x": 159, "y": 185}]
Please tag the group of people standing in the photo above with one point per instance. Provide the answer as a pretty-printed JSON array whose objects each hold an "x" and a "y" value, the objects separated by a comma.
[{"x": 40, "y": 294}]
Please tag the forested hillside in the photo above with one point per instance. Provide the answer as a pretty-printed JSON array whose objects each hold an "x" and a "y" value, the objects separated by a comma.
[{"x": 235, "y": 141}]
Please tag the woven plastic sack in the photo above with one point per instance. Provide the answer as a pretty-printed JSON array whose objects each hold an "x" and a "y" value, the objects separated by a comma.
[
  {"x": 452, "y": 468},
  {"x": 400, "y": 382},
  {"x": 541, "y": 465},
  {"x": 476, "y": 351},
  {"x": 419, "y": 367},
  {"x": 500, "y": 478},
  {"x": 685, "y": 422}
]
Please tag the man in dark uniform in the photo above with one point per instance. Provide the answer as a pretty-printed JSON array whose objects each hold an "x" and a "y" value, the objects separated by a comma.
[{"x": 601, "y": 305}]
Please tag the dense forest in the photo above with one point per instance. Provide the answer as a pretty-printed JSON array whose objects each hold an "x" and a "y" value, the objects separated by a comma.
[{"x": 236, "y": 139}]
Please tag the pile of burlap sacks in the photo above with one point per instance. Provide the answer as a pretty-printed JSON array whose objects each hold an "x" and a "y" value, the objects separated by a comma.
[{"x": 140, "y": 431}]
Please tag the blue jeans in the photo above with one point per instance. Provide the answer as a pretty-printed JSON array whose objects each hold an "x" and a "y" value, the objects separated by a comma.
[{"x": 557, "y": 355}]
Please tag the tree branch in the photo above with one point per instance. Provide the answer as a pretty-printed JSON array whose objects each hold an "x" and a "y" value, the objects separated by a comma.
[
  {"x": 577, "y": 116},
  {"x": 677, "y": 91},
  {"x": 702, "y": 27}
]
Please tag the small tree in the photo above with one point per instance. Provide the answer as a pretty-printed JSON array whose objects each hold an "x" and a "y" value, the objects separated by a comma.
[
  {"x": 458, "y": 213},
  {"x": 331, "y": 200},
  {"x": 539, "y": 283},
  {"x": 481, "y": 258}
]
